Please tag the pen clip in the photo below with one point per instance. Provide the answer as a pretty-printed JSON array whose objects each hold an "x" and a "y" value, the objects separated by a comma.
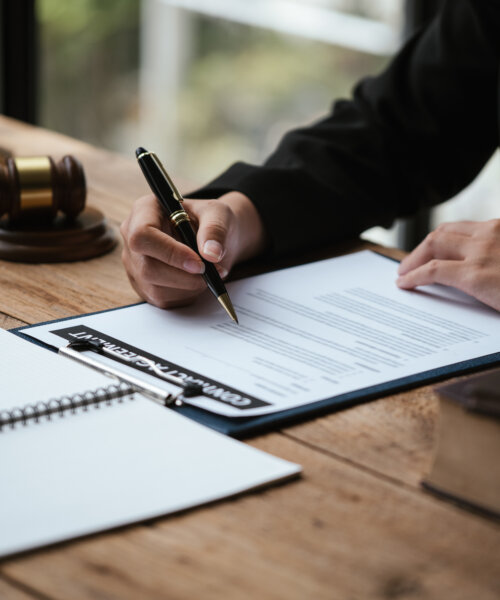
[
  {"x": 177, "y": 195},
  {"x": 75, "y": 349}
]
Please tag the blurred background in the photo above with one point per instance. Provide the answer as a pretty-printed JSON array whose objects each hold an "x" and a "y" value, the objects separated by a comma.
[{"x": 207, "y": 82}]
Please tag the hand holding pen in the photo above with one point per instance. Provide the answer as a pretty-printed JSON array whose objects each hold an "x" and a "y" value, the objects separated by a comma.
[
  {"x": 166, "y": 272},
  {"x": 171, "y": 202}
]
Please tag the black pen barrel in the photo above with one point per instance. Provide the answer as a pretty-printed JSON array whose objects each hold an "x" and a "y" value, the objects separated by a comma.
[{"x": 158, "y": 184}]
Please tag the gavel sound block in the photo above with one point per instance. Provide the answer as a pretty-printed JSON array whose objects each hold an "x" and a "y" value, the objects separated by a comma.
[{"x": 43, "y": 217}]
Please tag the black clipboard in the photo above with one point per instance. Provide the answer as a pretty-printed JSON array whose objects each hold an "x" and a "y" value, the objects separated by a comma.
[{"x": 243, "y": 427}]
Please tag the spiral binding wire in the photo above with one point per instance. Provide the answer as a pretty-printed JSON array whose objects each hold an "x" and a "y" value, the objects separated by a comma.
[{"x": 63, "y": 405}]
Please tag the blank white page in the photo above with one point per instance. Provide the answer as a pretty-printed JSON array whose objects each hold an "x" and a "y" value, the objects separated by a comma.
[
  {"x": 113, "y": 465},
  {"x": 30, "y": 374}
]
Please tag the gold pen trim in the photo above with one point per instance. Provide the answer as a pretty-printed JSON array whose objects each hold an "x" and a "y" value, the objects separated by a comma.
[
  {"x": 175, "y": 191},
  {"x": 178, "y": 217}
]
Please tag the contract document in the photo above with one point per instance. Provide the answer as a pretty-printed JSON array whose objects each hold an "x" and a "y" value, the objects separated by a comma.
[{"x": 306, "y": 334}]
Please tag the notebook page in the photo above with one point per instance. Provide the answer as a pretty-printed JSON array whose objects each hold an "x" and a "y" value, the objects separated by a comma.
[
  {"x": 114, "y": 465},
  {"x": 30, "y": 374}
]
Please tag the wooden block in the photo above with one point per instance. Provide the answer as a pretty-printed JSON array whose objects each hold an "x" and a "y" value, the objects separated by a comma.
[{"x": 82, "y": 238}]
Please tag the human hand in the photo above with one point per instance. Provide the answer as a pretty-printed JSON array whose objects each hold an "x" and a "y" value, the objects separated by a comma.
[
  {"x": 464, "y": 255},
  {"x": 166, "y": 272}
]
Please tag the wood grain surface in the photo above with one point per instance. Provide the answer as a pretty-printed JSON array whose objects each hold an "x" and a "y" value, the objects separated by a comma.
[{"x": 356, "y": 526}]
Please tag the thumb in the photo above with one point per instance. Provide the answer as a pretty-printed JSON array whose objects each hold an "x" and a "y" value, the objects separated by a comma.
[{"x": 213, "y": 226}]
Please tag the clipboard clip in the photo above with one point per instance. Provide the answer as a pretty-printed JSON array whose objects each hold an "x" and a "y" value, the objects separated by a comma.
[{"x": 75, "y": 349}]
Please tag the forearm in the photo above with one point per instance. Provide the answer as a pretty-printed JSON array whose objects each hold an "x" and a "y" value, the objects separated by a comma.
[{"x": 411, "y": 137}]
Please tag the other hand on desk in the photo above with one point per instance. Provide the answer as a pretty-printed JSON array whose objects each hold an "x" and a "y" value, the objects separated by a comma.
[
  {"x": 464, "y": 255},
  {"x": 166, "y": 272}
]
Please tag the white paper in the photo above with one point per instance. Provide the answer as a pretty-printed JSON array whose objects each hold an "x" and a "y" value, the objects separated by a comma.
[
  {"x": 306, "y": 333},
  {"x": 30, "y": 374},
  {"x": 119, "y": 464}
]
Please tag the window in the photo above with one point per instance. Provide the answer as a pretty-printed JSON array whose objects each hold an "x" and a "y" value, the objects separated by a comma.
[{"x": 208, "y": 82}]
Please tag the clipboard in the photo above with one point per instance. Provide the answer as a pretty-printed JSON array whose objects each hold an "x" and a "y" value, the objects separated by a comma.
[{"x": 244, "y": 427}]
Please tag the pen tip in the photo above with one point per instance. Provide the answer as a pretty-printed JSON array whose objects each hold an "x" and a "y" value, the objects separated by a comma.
[
  {"x": 140, "y": 151},
  {"x": 228, "y": 306}
]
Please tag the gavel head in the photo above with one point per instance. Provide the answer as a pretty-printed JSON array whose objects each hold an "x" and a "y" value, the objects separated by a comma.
[{"x": 37, "y": 188}]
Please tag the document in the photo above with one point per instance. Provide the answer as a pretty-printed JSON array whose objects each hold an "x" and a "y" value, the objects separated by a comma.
[{"x": 306, "y": 334}]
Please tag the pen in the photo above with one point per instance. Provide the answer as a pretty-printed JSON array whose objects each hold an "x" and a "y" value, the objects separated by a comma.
[{"x": 171, "y": 201}]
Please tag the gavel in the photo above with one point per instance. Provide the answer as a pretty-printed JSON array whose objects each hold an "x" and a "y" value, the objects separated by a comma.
[{"x": 37, "y": 188}]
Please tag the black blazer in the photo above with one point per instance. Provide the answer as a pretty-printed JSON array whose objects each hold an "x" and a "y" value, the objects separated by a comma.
[{"x": 411, "y": 137}]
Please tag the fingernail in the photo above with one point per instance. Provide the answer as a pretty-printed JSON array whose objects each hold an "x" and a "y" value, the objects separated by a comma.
[
  {"x": 194, "y": 266},
  {"x": 223, "y": 272},
  {"x": 213, "y": 249}
]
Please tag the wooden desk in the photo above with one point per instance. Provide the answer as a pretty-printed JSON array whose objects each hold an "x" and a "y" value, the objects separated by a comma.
[{"x": 355, "y": 527}]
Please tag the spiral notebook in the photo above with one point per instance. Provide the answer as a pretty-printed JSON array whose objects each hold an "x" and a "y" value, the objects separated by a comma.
[{"x": 74, "y": 462}]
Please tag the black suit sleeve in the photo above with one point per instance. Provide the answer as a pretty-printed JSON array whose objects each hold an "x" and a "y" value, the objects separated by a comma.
[{"x": 411, "y": 137}]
